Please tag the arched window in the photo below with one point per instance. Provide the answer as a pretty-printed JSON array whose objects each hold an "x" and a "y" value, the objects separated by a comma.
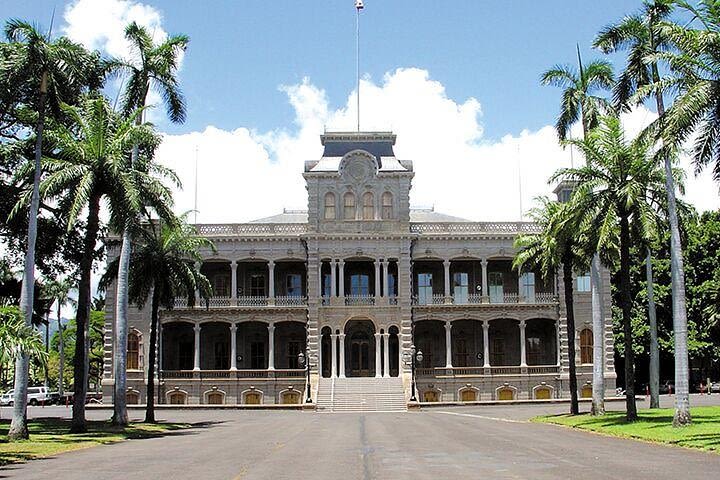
[
  {"x": 586, "y": 346},
  {"x": 133, "y": 352},
  {"x": 387, "y": 206},
  {"x": 368, "y": 206},
  {"x": 349, "y": 206},
  {"x": 329, "y": 206}
]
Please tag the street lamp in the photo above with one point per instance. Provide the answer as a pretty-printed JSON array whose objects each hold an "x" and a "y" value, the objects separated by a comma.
[
  {"x": 410, "y": 359},
  {"x": 304, "y": 361}
]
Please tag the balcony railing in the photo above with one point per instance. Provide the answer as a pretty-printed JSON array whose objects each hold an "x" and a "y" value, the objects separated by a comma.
[
  {"x": 474, "y": 299},
  {"x": 244, "y": 301},
  {"x": 353, "y": 300},
  {"x": 232, "y": 374},
  {"x": 290, "y": 301},
  {"x": 483, "y": 372},
  {"x": 435, "y": 299}
]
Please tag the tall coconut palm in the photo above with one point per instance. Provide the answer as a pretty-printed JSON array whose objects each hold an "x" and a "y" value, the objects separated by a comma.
[
  {"x": 163, "y": 268},
  {"x": 51, "y": 71},
  {"x": 580, "y": 102},
  {"x": 618, "y": 193},
  {"x": 643, "y": 36},
  {"x": 91, "y": 165},
  {"x": 59, "y": 290},
  {"x": 153, "y": 67},
  {"x": 549, "y": 251}
]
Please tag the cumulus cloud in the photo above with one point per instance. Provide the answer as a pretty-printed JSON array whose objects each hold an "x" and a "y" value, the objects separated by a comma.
[{"x": 245, "y": 174}]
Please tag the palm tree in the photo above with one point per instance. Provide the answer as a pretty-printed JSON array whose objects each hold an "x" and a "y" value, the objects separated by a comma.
[
  {"x": 154, "y": 67},
  {"x": 579, "y": 102},
  {"x": 643, "y": 36},
  {"x": 618, "y": 194},
  {"x": 51, "y": 71},
  {"x": 163, "y": 268},
  {"x": 59, "y": 290},
  {"x": 91, "y": 164},
  {"x": 17, "y": 338},
  {"x": 549, "y": 251}
]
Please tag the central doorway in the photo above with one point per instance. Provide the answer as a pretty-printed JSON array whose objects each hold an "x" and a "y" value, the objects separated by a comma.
[{"x": 360, "y": 348}]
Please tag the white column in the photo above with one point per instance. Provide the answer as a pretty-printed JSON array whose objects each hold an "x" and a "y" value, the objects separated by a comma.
[
  {"x": 485, "y": 286},
  {"x": 233, "y": 280},
  {"x": 320, "y": 279},
  {"x": 196, "y": 365},
  {"x": 271, "y": 346},
  {"x": 159, "y": 349},
  {"x": 520, "y": 287},
  {"x": 385, "y": 265},
  {"x": 486, "y": 343},
  {"x": 523, "y": 361},
  {"x": 233, "y": 346},
  {"x": 378, "y": 364},
  {"x": 557, "y": 341},
  {"x": 319, "y": 356},
  {"x": 386, "y": 355},
  {"x": 333, "y": 350},
  {"x": 377, "y": 278},
  {"x": 341, "y": 265},
  {"x": 271, "y": 281},
  {"x": 198, "y": 266},
  {"x": 446, "y": 264},
  {"x": 333, "y": 278},
  {"x": 448, "y": 345},
  {"x": 341, "y": 338}
]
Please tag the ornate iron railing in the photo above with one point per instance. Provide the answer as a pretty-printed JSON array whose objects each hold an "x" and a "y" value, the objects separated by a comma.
[
  {"x": 251, "y": 229},
  {"x": 475, "y": 227},
  {"x": 352, "y": 300}
]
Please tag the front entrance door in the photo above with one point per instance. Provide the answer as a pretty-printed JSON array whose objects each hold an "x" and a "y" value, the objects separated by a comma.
[{"x": 360, "y": 355}]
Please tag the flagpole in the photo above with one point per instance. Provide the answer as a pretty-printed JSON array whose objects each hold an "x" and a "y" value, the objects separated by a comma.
[
  {"x": 358, "y": 6},
  {"x": 196, "y": 184}
]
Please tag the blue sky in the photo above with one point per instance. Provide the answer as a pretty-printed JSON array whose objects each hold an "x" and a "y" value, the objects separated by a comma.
[
  {"x": 457, "y": 81},
  {"x": 241, "y": 51}
]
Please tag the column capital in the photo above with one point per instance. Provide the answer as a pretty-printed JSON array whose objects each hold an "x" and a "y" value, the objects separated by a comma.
[
  {"x": 386, "y": 334},
  {"x": 446, "y": 263},
  {"x": 340, "y": 335},
  {"x": 233, "y": 263},
  {"x": 486, "y": 323},
  {"x": 333, "y": 261},
  {"x": 233, "y": 327},
  {"x": 448, "y": 324},
  {"x": 271, "y": 263},
  {"x": 522, "y": 323},
  {"x": 341, "y": 262},
  {"x": 271, "y": 325},
  {"x": 197, "y": 327},
  {"x": 385, "y": 262},
  {"x": 379, "y": 335}
]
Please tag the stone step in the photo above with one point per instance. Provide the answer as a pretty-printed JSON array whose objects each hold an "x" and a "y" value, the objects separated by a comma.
[{"x": 367, "y": 394}]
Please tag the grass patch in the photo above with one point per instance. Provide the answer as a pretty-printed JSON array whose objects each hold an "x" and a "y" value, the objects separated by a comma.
[
  {"x": 653, "y": 425},
  {"x": 49, "y": 436}
]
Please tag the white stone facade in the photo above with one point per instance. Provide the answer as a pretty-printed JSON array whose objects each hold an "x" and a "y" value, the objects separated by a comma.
[{"x": 354, "y": 283}]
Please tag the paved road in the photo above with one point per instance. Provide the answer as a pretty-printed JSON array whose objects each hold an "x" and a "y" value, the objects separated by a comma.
[{"x": 468, "y": 442}]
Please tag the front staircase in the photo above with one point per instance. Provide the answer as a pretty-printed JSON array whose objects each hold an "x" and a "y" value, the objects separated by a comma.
[{"x": 363, "y": 394}]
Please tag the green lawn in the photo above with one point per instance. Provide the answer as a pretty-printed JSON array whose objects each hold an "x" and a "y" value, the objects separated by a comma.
[
  {"x": 653, "y": 426},
  {"x": 49, "y": 437}
]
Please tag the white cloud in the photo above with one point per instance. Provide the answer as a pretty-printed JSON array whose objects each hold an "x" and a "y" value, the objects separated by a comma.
[{"x": 245, "y": 174}]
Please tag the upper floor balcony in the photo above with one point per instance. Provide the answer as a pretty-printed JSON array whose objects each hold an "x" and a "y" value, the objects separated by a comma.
[{"x": 477, "y": 282}]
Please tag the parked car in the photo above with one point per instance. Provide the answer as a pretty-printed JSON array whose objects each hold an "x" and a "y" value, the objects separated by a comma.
[
  {"x": 7, "y": 398},
  {"x": 35, "y": 396}
]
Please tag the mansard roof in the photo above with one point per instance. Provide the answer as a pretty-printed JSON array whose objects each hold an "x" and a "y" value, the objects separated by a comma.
[{"x": 338, "y": 144}]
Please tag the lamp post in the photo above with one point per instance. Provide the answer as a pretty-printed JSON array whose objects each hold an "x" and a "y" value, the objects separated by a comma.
[
  {"x": 410, "y": 359},
  {"x": 304, "y": 361}
]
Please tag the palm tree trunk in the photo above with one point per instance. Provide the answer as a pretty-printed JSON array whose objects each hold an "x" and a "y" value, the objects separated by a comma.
[
  {"x": 570, "y": 327},
  {"x": 654, "y": 350},
  {"x": 626, "y": 305},
  {"x": 598, "y": 320},
  {"x": 61, "y": 351},
  {"x": 150, "y": 397},
  {"x": 18, "y": 427},
  {"x": 47, "y": 348},
  {"x": 120, "y": 415},
  {"x": 82, "y": 343},
  {"x": 677, "y": 275}
]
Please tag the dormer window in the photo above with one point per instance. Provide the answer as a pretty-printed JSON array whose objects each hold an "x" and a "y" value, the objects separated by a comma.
[
  {"x": 329, "y": 206},
  {"x": 387, "y": 206},
  {"x": 349, "y": 206},
  {"x": 368, "y": 206}
]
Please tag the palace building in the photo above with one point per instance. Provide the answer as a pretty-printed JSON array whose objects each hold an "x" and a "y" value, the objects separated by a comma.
[{"x": 361, "y": 284}]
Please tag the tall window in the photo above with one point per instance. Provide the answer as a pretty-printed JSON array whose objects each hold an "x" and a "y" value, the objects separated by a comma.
[
  {"x": 495, "y": 281},
  {"x": 327, "y": 285},
  {"x": 534, "y": 350},
  {"x": 387, "y": 206},
  {"x": 527, "y": 285},
  {"x": 497, "y": 351},
  {"x": 221, "y": 357},
  {"x": 360, "y": 285},
  {"x": 257, "y": 355},
  {"x": 293, "y": 349},
  {"x": 349, "y": 206},
  {"x": 257, "y": 285},
  {"x": 329, "y": 206},
  {"x": 425, "y": 290},
  {"x": 133, "y": 352},
  {"x": 368, "y": 206},
  {"x": 293, "y": 285},
  {"x": 586, "y": 346},
  {"x": 392, "y": 290},
  {"x": 460, "y": 287},
  {"x": 583, "y": 282},
  {"x": 220, "y": 286}
]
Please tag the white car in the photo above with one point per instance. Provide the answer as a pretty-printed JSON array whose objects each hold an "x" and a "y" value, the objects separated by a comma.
[{"x": 36, "y": 396}]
